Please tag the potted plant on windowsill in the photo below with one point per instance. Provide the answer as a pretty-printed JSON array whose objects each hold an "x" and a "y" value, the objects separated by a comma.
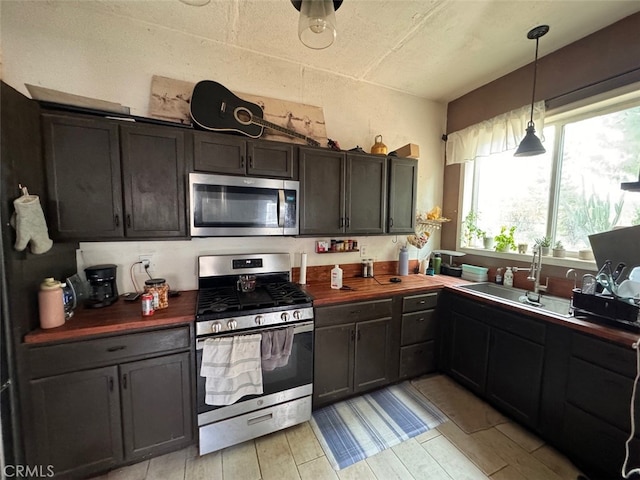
[
  {"x": 504, "y": 240},
  {"x": 558, "y": 250},
  {"x": 544, "y": 243},
  {"x": 472, "y": 233}
]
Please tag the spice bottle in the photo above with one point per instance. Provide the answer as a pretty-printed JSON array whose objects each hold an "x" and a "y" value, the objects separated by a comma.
[
  {"x": 159, "y": 289},
  {"x": 51, "y": 303}
]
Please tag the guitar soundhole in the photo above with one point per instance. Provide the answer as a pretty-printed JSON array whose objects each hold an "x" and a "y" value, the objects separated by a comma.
[{"x": 243, "y": 115}]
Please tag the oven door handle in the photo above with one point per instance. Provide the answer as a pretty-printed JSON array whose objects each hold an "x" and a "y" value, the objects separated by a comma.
[
  {"x": 281, "y": 208},
  {"x": 298, "y": 328}
]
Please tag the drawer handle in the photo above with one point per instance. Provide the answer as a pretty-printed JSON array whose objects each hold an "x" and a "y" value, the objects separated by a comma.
[
  {"x": 354, "y": 312},
  {"x": 421, "y": 319},
  {"x": 116, "y": 348},
  {"x": 111, "y": 384},
  {"x": 422, "y": 302},
  {"x": 263, "y": 418},
  {"x": 124, "y": 381},
  {"x": 117, "y": 220}
]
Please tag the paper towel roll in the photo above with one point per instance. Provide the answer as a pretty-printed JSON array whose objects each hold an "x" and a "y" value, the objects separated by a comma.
[{"x": 303, "y": 269}]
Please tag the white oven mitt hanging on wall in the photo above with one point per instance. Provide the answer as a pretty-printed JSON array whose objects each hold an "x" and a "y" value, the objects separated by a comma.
[{"x": 30, "y": 225}]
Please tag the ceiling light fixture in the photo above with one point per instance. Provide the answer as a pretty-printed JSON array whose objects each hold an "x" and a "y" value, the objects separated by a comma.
[
  {"x": 530, "y": 144},
  {"x": 317, "y": 23}
]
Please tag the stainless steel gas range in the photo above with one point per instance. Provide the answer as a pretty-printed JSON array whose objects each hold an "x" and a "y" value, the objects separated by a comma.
[{"x": 245, "y": 295}]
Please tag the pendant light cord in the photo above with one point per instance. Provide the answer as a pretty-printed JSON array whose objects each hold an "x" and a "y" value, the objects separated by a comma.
[{"x": 535, "y": 77}]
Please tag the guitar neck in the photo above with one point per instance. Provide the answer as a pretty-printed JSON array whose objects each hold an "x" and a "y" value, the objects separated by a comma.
[{"x": 291, "y": 133}]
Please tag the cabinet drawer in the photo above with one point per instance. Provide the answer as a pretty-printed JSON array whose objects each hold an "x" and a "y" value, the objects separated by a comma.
[
  {"x": 55, "y": 359},
  {"x": 418, "y": 327},
  {"x": 417, "y": 359},
  {"x": 604, "y": 354},
  {"x": 413, "y": 303},
  {"x": 600, "y": 392},
  {"x": 516, "y": 324},
  {"x": 352, "y": 312}
]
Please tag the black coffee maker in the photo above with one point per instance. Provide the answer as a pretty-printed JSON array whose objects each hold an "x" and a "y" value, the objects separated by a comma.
[{"x": 103, "y": 290}]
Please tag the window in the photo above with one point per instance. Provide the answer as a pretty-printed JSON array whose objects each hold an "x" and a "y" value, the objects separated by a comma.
[{"x": 568, "y": 193}]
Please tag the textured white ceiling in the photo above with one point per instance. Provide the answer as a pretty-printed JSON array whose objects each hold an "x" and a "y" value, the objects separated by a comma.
[{"x": 435, "y": 49}]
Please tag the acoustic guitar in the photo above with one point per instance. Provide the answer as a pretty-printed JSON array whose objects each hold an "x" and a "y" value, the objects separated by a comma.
[{"x": 214, "y": 107}]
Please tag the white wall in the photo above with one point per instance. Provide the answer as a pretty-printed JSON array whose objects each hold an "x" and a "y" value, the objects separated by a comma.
[{"x": 64, "y": 46}]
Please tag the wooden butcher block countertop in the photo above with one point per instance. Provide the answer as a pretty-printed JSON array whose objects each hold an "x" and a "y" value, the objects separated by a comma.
[
  {"x": 359, "y": 288},
  {"x": 119, "y": 317}
]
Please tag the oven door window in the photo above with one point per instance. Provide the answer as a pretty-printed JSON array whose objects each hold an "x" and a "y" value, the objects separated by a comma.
[
  {"x": 228, "y": 206},
  {"x": 297, "y": 372}
]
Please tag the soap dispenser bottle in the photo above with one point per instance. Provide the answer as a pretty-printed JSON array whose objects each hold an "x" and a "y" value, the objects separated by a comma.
[
  {"x": 508, "y": 278},
  {"x": 336, "y": 278}
]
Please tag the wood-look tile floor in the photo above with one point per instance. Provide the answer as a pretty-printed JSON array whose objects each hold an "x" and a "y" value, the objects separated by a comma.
[{"x": 503, "y": 452}]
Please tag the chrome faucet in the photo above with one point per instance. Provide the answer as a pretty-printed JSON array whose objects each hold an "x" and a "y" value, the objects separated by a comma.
[{"x": 534, "y": 271}]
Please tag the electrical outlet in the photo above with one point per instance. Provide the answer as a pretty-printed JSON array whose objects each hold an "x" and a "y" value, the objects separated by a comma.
[
  {"x": 146, "y": 261},
  {"x": 363, "y": 251}
]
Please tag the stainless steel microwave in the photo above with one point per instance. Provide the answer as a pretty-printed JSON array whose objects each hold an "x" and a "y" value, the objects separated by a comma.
[{"x": 222, "y": 205}]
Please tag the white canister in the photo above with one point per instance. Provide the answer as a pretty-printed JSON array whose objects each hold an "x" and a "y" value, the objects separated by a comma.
[
  {"x": 51, "y": 303},
  {"x": 336, "y": 278}
]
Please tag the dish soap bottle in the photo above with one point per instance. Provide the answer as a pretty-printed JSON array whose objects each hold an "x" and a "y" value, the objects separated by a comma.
[
  {"x": 508, "y": 278},
  {"x": 336, "y": 277}
]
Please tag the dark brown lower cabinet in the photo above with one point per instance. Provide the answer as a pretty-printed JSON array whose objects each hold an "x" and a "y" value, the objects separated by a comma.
[
  {"x": 468, "y": 351},
  {"x": 94, "y": 419},
  {"x": 156, "y": 409},
  {"x": 77, "y": 421},
  {"x": 354, "y": 350}
]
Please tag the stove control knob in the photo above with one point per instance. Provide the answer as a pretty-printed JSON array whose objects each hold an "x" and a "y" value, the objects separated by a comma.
[
  {"x": 297, "y": 315},
  {"x": 284, "y": 317},
  {"x": 216, "y": 327},
  {"x": 259, "y": 320},
  {"x": 232, "y": 324}
]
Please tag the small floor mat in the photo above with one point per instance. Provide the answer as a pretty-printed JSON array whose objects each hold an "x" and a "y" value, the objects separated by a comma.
[{"x": 354, "y": 429}]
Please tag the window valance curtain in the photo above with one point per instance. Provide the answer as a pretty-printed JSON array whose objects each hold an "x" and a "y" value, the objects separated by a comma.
[{"x": 496, "y": 135}]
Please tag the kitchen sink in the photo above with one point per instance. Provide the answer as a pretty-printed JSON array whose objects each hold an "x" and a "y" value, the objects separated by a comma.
[{"x": 557, "y": 305}]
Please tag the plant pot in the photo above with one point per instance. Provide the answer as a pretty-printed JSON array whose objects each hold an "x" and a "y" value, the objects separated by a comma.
[
  {"x": 559, "y": 252},
  {"x": 488, "y": 243},
  {"x": 522, "y": 248},
  {"x": 544, "y": 250},
  {"x": 502, "y": 248}
]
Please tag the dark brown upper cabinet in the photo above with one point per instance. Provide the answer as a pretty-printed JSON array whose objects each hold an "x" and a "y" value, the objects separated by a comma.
[
  {"x": 341, "y": 193},
  {"x": 233, "y": 155},
  {"x": 403, "y": 190},
  {"x": 108, "y": 181}
]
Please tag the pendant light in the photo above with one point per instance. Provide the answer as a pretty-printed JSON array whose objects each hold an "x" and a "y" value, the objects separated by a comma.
[
  {"x": 317, "y": 23},
  {"x": 530, "y": 144}
]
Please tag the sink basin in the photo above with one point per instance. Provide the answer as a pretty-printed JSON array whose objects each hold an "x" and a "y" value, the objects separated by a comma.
[{"x": 557, "y": 305}]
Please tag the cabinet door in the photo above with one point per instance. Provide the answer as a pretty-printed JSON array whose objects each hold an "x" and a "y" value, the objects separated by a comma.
[
  {"x": 76, "y": 420},
  {"x": 366, "y": 178},
  {"x": 322, "y": 192},
  {"x": 271, "y": 159},
  {"x": 154, "y": 181},
  {"x": 469, "y": 351},
  {"x": 333, "y": 365},
  {"x": 372, "y": 355},
  {"x": 156, "y": 405},
  {"x": 514, "y": 377},
  {"x": 403, "y": 181},
  {"x": 83, "y": 177},
  {"x": 218, "y": 153}
]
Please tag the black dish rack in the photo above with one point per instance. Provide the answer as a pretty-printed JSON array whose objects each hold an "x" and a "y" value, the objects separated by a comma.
[{"x": 607, "y": 309}]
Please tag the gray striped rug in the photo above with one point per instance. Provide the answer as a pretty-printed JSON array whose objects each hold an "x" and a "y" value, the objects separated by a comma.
[{"x": 354, "y": 429}]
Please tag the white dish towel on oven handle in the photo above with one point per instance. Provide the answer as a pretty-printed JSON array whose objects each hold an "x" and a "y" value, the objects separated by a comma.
[{"x": 232, "y": 368}]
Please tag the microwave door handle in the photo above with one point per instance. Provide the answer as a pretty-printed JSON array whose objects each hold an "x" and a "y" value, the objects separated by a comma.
[{"x": 281, "y": 208}]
